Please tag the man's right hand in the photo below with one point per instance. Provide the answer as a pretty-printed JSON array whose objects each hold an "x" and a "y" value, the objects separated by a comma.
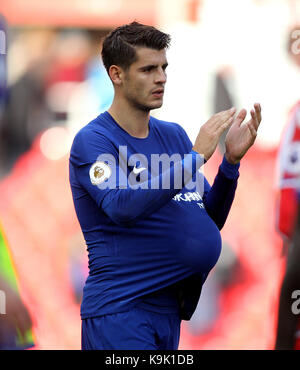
[{"x": 210, "y": 133}]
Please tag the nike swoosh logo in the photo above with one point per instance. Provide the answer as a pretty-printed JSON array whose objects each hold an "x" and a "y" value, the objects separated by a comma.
[{"x": 136, "y": 171}]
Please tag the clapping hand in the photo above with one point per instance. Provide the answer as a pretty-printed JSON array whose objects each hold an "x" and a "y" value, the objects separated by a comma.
[
  {"x": 241, "y": 137},
  {"x": 210, "y": 133}
]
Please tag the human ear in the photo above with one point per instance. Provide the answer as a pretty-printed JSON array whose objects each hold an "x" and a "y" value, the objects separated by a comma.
[{"x": 115, "y": 74}]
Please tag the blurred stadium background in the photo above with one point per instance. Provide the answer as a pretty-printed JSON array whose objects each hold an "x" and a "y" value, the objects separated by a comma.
[{"x": 223, "y": 53}]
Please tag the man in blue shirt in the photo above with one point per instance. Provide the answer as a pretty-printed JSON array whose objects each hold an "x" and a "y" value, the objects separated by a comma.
[{"x": 150, "y": 219}]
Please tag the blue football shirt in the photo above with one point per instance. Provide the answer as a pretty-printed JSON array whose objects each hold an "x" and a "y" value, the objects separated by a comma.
[{"x": 152, "y": 228}]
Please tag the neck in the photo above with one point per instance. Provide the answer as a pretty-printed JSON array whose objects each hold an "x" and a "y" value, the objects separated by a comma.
[{"x": 133, "y": 120}]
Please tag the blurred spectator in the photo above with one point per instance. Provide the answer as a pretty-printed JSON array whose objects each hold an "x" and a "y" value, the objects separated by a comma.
[
  {"x": 3, "y": 75},
  {"x": 72, "y": 52},
  {"x": 289, "y": 161},
  {"x": 94, "y": 95},
  {"x": 51, "y": 84},
  {"x": 288, "y": 327},
  {"x": 15, "y": 321},
  {"x": 288, "y": 217},
  {"x": 26, "y": 112},
  {"x": 223, "y": 96}
]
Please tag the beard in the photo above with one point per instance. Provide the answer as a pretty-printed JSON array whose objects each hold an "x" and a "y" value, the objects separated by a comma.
[
  {"x": 142, "y": 106},
  {"x": 138, "y": 99}
]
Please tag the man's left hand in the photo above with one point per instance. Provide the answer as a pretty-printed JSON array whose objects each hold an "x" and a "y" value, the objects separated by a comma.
[{"x": 241, "y": 137}]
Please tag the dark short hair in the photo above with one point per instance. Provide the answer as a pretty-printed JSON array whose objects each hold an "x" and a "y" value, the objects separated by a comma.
[{"x": 119, "y": 45}]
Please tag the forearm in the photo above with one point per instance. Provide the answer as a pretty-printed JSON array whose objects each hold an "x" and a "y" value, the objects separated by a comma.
[
  {"x": 219, "y": 199},
  {"x": 127, "y": 206}
]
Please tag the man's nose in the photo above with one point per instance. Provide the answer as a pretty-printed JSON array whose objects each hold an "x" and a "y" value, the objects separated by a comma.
[{"x": 161, "y": 76}]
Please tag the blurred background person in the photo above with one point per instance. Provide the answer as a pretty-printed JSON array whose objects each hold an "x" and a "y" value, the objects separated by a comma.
[
  {"x": 54, "y": 85},
  {"x": 288, "y": 326},
  {"x": 289, "y": 157},
  {"x": 3, "y": 78},
  {"x": 15, "y": 320},
  {"x": 223, "y": 95},
  {"x": 26, "y": 112},
  {"x": 288, "y": 222}
]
